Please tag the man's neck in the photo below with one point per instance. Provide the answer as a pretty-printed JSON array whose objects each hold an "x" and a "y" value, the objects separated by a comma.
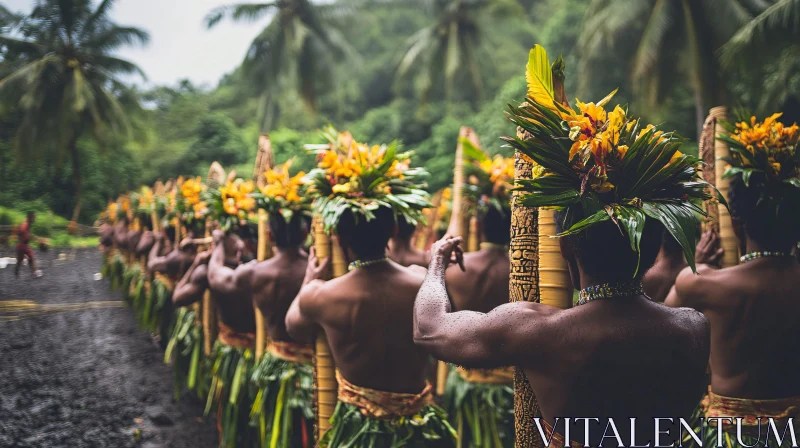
[
  {"x": 587, "y": 280},
  {"x": 292, "y": 252},
  {"x": 754, "y": 246},
  {"x": 400, "y": 245}
]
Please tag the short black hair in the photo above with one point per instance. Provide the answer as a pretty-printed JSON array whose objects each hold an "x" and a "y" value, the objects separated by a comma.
[
  {"x": 605, "y": 252},
  {"x": 287, "y": 234},
  {"x": 170, "y": 233},
  {"x": 247, "y": 231},
  {"x": 405, "y": 230},
  {"x": 368, "y": 239},
  {"x": 769, "y": 213},
  {"x": 496, "y": 226}
]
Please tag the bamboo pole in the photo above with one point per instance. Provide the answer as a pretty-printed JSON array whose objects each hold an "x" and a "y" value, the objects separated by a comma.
[
  {"x": 726, "y": 235},
  {"x": 524, "y": 286},
  {"x": 706, "y": 152},
  {"x": 555, "y": 288},
  {"x": 474, "y": 236},
  {"x": 327, "y": 389},
  {"x": 209, "y": 313},
  {"x": 263, "y": 241}
]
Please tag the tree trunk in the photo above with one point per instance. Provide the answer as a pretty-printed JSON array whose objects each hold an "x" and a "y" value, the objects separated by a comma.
[{"x": 76, "y": 177}]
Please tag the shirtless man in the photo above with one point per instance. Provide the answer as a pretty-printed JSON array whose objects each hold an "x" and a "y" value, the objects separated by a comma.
[
  {"x": 753, "y": 309},
  {"x": 605, "y": 359},
  {"x": 272, "y": 285},
  {"x": 175, "y": 262},
  {"x": 400, "y": 249},
  {"x": 660, "y": 279},
  {"x": 367, "y": 315},
  {"x": 24, "y": 250}
]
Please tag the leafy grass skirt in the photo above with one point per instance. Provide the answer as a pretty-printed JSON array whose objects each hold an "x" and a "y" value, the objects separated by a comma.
[
  {"x": 483, "y": 414},
  {"x": 283, "y": 409},
  {"x": 185, "y": 352},
  {"x": 350, "y": 428},
  {"x": 232, "y": 394},
  {"x": 151, "y": 312},
  {"x": 115, "y": 269}
]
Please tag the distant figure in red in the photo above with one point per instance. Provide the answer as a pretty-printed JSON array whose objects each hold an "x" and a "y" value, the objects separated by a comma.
[{"x": 23, "y": 248}]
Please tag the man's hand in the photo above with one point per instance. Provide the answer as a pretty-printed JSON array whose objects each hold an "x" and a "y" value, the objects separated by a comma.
[
  {"x": 709, "y": 251},
  {"x": 449, "y": 248},
  {"x": 159, "y": 236},
  {"x": 317, "y": 270},
  {"x": 218, "y": 235}
]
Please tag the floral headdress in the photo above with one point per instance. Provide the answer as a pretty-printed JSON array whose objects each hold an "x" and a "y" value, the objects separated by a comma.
[
  {"x": 765, "y": 156},
  {"x": 282, "y": 194},
  {"x": 489, "y": 179},
  {"x": 359, "y": 178},
  {"x": 602, "y": 165},
  {"x": 189, "y": 202},
  {"x": 231, "y": 203}
]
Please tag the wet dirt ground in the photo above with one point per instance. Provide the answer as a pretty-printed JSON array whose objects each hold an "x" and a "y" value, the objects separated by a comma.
[{"x": 86, "y": 378}]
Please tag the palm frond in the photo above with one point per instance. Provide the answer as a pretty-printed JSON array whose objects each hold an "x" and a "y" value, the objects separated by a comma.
[
  {"x": 245, "y": 12},
  {"x": 114, "y": 37},
  {"x": 782, "y": 15}
]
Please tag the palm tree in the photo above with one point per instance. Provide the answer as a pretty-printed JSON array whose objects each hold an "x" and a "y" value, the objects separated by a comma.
[
  {"x": 674, "y": 40},
  {"x": 58, "y": 72},
  {"x": 770, "y": 43},
  {"x": 298, "y": 46},
  {"x": 447, "y": 48}
]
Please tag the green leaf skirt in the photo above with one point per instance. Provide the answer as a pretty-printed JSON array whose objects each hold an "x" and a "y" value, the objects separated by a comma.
[
  {"x": 483, "y": 414},
  {"x": 427, "y": 428},
  {"x": 231, "y": 395},
  {"x": 185, "y": 352},
  {"x": 283, "y": 408}
]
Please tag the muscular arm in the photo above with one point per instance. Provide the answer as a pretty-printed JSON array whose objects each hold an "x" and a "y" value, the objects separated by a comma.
[
  {"x": 191, "y": 287},
  {"x": 224, "y": 280},
  {"x": 509, "y": 334},
  {"x": 688, "y": 290},
  {"x": 300, "y": 320}
]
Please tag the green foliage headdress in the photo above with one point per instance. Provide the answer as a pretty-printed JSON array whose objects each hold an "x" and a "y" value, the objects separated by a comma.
[
  {"x": 489, "y": 179},
  {"x": 602, "y": 165},
  {"x": 359, "y": 178},
  {"x": 283, "y": 194},
  {"x": 765, "y": 156}
]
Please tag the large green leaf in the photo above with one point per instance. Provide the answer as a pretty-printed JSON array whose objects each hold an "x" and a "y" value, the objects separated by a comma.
[
  {"x": 564, "y": 198},
  {"x": 584, "y": 224},
  {"x": 631, "y": 220},
  {"x": 681, "y": 222}
]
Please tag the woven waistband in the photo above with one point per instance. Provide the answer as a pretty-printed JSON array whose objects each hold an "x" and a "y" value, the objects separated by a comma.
[
  {"x": 291, "y": 351},
  {"x": 750, "y": 410},
  {"x": 232, "y": 338},
  {"x": 381, "y": 404},
  {"x": 503, "y": 375}
]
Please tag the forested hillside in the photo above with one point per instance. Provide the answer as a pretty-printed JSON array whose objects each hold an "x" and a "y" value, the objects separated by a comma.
[{"x": 387, "y": 72}]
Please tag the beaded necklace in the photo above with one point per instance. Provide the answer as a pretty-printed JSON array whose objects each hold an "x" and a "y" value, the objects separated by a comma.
[
  {"x": 765, "y": 253},
  {"x": 361, "y": 264},
  {"x": 610, "y": 291}
]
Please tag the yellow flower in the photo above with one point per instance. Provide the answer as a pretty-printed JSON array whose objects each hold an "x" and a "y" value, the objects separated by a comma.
[
  {"x": 447, "y": 194},
  {"x": 594, "y": 112},
  {"x": 341, "y": 188}
]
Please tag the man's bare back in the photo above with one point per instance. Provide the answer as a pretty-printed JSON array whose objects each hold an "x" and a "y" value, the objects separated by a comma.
[
  {"x": 617, "y": 358},
  {"x": 367, "y": 317},
  {"x": 483, "y": 285},
  {"x": 753, "y": 309},
  {"x": 233, "y": 300},
  {"x": 276, "y": 283}
]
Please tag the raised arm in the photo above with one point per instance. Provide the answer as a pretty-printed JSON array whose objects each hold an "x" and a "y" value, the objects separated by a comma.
[
  {"x": 223, "y": 279},
  {"x": 192, "y": 285},
  {"x": 508, "y": 335},
  {"x": 688, "y": 288},
  {"x": 301, "y": 319}
]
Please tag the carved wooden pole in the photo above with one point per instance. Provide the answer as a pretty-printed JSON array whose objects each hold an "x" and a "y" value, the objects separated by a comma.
[
  {"x": 726, "y": 235},
  {"x": 524, "y": 286}
]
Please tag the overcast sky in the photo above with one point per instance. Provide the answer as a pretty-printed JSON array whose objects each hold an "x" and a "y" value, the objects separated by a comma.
[{"x": 180, "y": 46}]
